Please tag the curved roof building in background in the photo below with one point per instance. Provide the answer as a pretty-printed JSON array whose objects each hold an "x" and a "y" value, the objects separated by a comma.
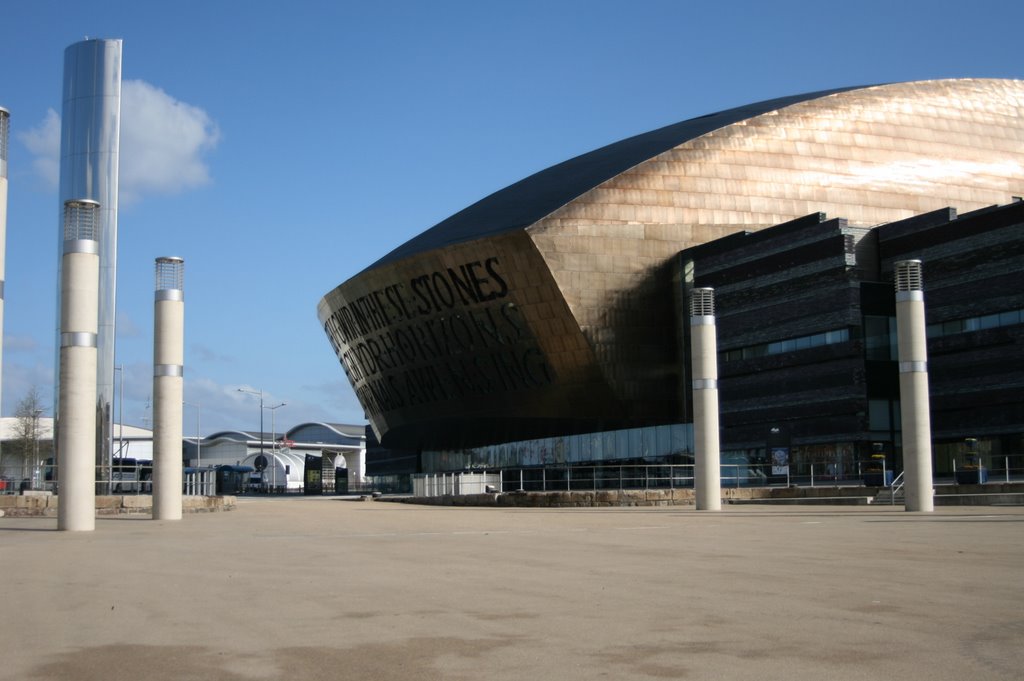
[{"x": 553, "y": 306}]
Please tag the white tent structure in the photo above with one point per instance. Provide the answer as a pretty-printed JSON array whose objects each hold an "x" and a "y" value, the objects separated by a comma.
[{"x": 282, "y": 473}]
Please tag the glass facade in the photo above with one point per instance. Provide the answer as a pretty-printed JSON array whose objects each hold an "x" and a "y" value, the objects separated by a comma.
[
  {"x": 989, "y": 321},
  {"x": 671, "y": 443},
  {"x": 789, "y": 345},
  {"x": 880, "y": 338}
]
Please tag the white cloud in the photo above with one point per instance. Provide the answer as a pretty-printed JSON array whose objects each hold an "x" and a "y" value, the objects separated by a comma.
[
  {"x": 43, "y": 141},
  {"x": 163, "y": 143}
]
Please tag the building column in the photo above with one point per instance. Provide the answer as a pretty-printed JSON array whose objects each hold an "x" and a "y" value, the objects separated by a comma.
[
  {"x": 76, "y": 418},
  {"x": 914, "y": 402},
  {"x": 168, "y": 387},
  {"x": 707, "y": 472},
  {"x": 356, "y": 463}
]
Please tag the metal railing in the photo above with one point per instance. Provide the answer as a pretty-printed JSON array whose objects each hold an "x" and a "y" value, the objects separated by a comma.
[
  {"x": 118, "y": 479},
  {"x": 871, "y": 473},
  {"x": 1005, "y": 468},
  {"x": 586, "y": 478}
]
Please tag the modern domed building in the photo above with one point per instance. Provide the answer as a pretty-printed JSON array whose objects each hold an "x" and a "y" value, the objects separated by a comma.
[{"x": 546, "y": 323}]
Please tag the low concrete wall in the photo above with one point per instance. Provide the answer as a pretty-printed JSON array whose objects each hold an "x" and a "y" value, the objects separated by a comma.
[
  {"x": 989, "y": 494},
  {"x": 968, "y": 495},
  {"x": 45, "y": 504},
  {"x": 657, "y": 497}
]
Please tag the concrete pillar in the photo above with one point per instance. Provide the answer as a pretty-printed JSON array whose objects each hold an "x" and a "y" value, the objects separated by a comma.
[
  {"x": 5, "y": 118},
  {"x": 356, "y": 463},
  {"x": 914, "y": 403},
  {"x": 707, "y": 471},
  {"x": 76, "y": 417},
  {"x": 168, "y": 387}
]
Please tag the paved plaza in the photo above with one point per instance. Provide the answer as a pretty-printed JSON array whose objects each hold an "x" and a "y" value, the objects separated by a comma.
[{"x": 324, "y": 588}]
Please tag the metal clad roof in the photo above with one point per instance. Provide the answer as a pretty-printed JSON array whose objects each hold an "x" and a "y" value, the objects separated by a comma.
[{"x": 521, "y": 204}]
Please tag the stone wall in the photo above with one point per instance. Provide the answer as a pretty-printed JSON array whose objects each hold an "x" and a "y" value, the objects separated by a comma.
[
  {"x": 666, "y": 497},
  {"x": 948, "y": 495},
  {"x": 45, "y": 504}
]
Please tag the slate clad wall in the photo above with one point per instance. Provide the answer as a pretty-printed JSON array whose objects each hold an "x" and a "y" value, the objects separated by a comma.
[
  {"x": 794, "y": 280},
  {"x": 973, "y": 266}
]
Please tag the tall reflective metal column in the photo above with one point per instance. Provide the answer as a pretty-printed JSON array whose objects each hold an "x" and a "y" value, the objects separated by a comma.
[
  {"x": 5, "y": 118},
  {"x": 90, "y": 132}
]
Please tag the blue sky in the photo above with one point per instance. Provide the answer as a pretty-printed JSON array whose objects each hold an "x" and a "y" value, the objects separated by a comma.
[{"x": 280, "y": 148}]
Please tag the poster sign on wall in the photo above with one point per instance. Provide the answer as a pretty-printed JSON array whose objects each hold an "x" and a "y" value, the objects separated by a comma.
[{"x": 780, "y": 460}]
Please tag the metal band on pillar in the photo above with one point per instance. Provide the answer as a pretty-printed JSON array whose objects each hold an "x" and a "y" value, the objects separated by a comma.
[
  {"x": 76, "y": 432},
  {"x": 168, "y": 389},
  {"x": 704, "y": 350},
  {"x": 913, "y": 375}
]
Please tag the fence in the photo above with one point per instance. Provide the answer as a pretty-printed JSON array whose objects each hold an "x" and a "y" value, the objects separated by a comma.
[
  {"x": 676, "y": 476},
  {"x": 441, "y": 484},
  {"x": 124, "y": 477},
  {"x": 1007, "y": 468}
]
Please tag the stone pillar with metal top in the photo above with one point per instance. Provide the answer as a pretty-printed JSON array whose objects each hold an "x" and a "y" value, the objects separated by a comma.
[
  {"x": 914, "y": 401},
  {"x": 76, "y": 417},
  {"x": 168, "y": 388},
  {"x": 707, "y": 471}
]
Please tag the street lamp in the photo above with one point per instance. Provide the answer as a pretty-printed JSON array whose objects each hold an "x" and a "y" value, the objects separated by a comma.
[
  {"x": 260, "y": 393},
  {"x": 119, "y": 369},
  {"x": 199, "y": 432},
  {"x": 36, "y": 482},
  {"x": 273, "y": 439}
]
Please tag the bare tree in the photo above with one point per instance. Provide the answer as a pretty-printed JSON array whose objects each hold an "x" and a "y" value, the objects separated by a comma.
[{"x": 26, "y": 431}]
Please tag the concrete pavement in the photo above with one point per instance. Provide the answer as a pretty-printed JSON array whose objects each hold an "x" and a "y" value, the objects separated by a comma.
[{"x": 324, "y": 588}]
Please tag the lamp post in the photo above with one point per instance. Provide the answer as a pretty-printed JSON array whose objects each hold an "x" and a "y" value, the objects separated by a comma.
[
  {"x": 273, "y": 440},
  {"x": 199, "y": 432},
  {"x": 260, "y": 393},
  {"x": 119, "y": 369},
  {"x": 37, "y": 484}
]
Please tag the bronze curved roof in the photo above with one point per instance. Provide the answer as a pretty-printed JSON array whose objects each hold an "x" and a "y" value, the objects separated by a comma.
[
  {"x": 549, "y": 306},
  {"x": 521, "y": 204}
]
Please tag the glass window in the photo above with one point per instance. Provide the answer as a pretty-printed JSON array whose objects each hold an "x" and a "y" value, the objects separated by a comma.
[
  {"x": 608, "y": 448},
  {"x": 623, "y": 442},
  {"x": 953, "y": 327},
  {"x": 649, "y": 442},
  {"x": 635, "y": 442},
  {"x": 575, "y": 447},
  {"x": 989, "y": 321},
  {"x": 681, "y": 437},
  {"x": 664, "y": 439},
  {"x": 1009, "y": 318},
  {"x": 879, "y": 415},
  {"x": 878, "y": 339}
]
